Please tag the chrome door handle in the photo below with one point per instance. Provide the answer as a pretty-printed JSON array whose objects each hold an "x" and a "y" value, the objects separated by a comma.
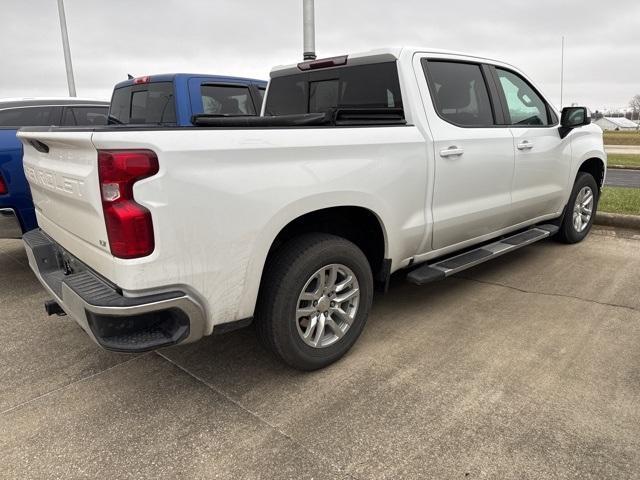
[
  {"x": 525, "y": 145},
  {"x": 452, "y": 151}
]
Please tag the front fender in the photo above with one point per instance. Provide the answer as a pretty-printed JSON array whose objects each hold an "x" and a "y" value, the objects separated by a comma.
[{"x": 586, "y": 144}]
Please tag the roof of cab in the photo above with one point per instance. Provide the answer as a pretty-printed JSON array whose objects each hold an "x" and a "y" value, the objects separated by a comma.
[
  {"x": 44, "y": 101},
  {"x": 358, "y": 58},
  {"x": 382, "y": 55},
  {"x": 170, "y": 77}
]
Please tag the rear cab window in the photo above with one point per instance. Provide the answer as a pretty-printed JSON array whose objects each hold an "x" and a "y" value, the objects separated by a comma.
[
  {"x": 370, "y": 86},
  {"x": 148, "y": 103}
]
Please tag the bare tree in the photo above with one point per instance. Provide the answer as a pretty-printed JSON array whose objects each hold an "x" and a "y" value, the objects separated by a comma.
[{"x": 634, "y": 104}]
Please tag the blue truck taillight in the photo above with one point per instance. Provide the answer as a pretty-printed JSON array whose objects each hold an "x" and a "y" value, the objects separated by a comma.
[{"x": 3, "y": 186}]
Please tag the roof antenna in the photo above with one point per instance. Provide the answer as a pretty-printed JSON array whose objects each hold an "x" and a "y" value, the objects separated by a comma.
[
  {"x": 129, "y": 76},
  {"x": 309, "y": 30}
]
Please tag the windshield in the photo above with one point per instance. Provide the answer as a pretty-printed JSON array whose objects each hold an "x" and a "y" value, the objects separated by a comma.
[{"x": 143, "y": 104}]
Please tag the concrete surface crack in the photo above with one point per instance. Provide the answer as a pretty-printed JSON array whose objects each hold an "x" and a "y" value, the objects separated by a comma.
[
  {"x": 560, "y": 295},
  {"x": 13, "y": 259},
  {"x": 258, "y": 417},
  {"x": 10, "y": 409}
]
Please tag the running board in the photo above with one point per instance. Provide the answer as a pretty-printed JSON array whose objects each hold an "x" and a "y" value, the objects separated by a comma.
[{"x": 448, "y": 266}]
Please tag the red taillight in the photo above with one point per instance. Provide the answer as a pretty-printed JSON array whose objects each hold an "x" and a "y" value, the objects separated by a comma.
[
  {"x": 129, "y": 225},
  {"x": 3, "y": 186},
  {"x": 323, "y": 63},
  {"x": 139, "y": 80}
]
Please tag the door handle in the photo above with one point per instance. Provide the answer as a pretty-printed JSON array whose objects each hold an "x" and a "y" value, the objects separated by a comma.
[
  {"x": 525, "y": 145},
  {"x": 452, "y": 151}
]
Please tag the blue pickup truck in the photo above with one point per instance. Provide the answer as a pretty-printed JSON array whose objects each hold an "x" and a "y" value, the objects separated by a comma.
[
  {"x": 163, "y": 100},
  {"x": 16, "y": 207},
  {"x": 173, "y": 99}
]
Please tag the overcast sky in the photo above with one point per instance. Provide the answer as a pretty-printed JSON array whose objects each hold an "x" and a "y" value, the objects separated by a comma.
[{"x": 246, "y": 37}]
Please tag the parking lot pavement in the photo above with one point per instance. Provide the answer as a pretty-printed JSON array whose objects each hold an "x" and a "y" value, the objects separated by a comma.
[{"x": 526, "y": 367}]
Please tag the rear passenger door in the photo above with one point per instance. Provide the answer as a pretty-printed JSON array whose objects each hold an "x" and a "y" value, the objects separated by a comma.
[
  {"x": 542, "y": 158},
  {"x": 474, "y": 155}
]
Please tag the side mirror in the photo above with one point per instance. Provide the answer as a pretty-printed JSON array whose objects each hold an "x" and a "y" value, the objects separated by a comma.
[{"x": 573, "y": 117}]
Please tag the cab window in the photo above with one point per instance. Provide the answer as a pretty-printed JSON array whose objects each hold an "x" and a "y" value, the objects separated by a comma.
[
  {"x": 369, "y": 86},
  {"x": 226, "y": 100},
  {"x": 143, "y": 104},
  {"x": 85, "y": 116},
  {"x": 29, "y": 117},
  {"x": 525, "y": 106},
  {"x": 459, "y": 93}
]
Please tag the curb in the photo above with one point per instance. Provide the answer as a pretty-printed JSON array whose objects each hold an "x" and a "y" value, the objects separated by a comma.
[
  {"x": 623, "y": 167},
  {"x": 618, "y": 220}
]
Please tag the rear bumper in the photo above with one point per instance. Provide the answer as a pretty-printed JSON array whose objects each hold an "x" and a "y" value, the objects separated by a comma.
[
  {"x": 9, "y": 224},
  {"x": 115, "y": 321}
]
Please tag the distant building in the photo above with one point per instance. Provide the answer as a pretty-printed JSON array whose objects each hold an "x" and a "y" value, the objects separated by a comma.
[{"x": 616, "y": 123}]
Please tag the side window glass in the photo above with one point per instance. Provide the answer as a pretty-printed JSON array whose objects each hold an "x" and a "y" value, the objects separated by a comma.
[
  {"x": 460, "y": 93},
  {"x": 226, "y": 100},
  {"x": 27, "y": 117},
  {"x": 525, "y": 105},
  {"x": 90, "y": 115},
  {"x": 68, "y": 118}
]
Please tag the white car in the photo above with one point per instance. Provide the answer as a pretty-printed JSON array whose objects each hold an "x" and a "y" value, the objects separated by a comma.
[{"x": 360, "y": 166}]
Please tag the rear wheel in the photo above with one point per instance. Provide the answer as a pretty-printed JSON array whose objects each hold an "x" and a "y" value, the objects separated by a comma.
[
  {"x": 314, "y": 301},
  {"x": 581, "y": 210}
]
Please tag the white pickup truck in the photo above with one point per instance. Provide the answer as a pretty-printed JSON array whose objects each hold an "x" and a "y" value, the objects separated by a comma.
[{"x": 360, "y": 166}]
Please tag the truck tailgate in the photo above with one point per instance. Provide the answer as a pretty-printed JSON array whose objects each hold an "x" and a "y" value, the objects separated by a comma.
[{"x": 62, "y": 170}]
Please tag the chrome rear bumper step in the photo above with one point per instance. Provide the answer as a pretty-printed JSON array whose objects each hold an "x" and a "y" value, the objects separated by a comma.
[{"x": 446, "y": 267}]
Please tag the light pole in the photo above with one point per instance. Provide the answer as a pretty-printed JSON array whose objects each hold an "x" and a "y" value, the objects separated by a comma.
[
  {"x": 67, "y": 51},
  {"x": 562, "y": 73},
  {"x": 308, "y": 30}
]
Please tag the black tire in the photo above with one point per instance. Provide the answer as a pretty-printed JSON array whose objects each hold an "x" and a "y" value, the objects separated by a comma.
[
  {"x": 285, "y": 277},
  {"x": 568, "y": 232}
]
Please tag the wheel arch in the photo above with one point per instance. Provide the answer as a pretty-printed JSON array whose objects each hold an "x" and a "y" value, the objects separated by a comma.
[
  {"x": 311, "y": 215},
  {"x": 357, "y": 224},
  {"x": 596, "y": 167}
]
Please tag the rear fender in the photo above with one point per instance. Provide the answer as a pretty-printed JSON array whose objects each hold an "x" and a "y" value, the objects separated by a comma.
[{"x": 291, "y": 212}]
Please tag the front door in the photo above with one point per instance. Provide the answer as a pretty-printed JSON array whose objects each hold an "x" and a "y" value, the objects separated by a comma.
[
  {"x": 543, "y": 159},
  {"x": 474, "y": 158}
]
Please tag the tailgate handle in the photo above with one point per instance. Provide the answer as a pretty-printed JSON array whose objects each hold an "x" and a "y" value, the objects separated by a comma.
[{"x": 39, "y": 146}]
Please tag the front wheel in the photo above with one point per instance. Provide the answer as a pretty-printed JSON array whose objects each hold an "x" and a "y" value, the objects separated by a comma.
[
  {"x": 581, "y": 210},
  {"x": 314, "y": 301}
]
